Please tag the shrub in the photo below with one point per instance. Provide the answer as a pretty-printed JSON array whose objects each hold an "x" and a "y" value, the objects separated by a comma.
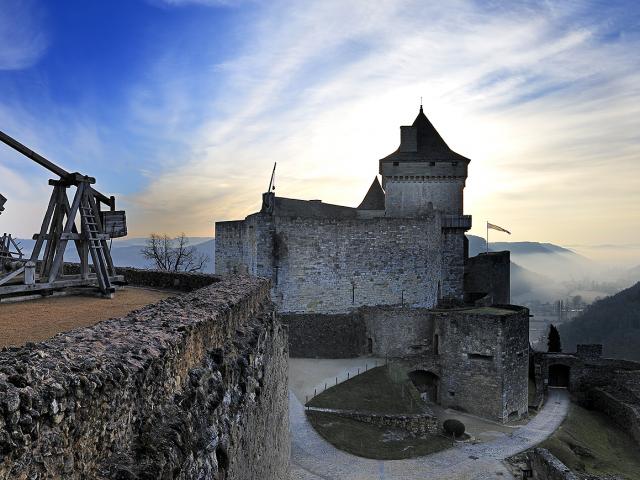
[{"x": 453, "y": 427}]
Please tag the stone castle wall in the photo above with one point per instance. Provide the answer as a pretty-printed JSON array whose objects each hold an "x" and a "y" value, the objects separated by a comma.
[
  {"x": 334, "y": 266},
  {"x": 481, "y": 370},
  {"x": 608, "y": 385},
  {"x": 326, "y": 336},
  {"x": 326, "y": 265},
  {"x": 409, "y": 195},
  {"x": 487, "y": 276},
  {"x": 230, "y": 240},
  {"x": 194, "y": 386},
  {"x": 481, "y": 358}
]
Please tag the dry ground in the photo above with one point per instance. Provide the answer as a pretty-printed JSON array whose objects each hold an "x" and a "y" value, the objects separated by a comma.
[{"x": 37, "y": 320}]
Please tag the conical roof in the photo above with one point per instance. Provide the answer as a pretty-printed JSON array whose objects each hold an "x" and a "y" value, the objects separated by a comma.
[
  {"x": 431, "y": 147},
  {"x": 374, "y": 199}
]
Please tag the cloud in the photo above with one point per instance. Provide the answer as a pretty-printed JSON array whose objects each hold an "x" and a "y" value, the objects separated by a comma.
[
  {"x": 22, "y": 39},
  {"x": 536, "y": 96},
  {"x": 543, "y": 98}
]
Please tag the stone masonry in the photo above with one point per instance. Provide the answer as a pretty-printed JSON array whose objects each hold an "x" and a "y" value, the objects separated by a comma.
[
  {"x": 392, "y": 278},
  {"x": 194, "y": 386}
]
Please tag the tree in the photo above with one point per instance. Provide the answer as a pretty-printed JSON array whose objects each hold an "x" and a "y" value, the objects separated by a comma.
[
  {"x": 173, "y": 254},
  {"x": 553, "y": 341}
]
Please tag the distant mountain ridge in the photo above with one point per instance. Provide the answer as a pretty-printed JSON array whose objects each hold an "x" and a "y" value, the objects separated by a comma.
[
  {"x": 125, "y": 252},
  {"x": 613, "y": 321}
]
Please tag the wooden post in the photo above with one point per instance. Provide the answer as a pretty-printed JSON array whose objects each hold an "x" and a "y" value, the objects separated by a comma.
[{"x": 30, "y": 273}]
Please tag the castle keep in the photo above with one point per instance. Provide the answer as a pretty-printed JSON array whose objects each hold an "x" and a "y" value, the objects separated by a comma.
[{"x": 392, "y": 277}]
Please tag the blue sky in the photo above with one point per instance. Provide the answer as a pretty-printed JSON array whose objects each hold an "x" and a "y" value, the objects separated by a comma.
[{"x": 180, "y": 107}]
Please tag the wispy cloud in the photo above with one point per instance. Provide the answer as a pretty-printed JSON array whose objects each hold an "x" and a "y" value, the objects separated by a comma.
[
  {"x": 22, "y": 39},
  {"x": 539, "y": 97},
  {"x": 544, "y": 98}
]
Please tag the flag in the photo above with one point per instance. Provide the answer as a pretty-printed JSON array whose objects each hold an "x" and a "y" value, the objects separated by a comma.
[{"x": 496, "y": 227}]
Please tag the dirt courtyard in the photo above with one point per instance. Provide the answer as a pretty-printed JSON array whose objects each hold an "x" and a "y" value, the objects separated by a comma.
[{"x": 37, "y": 320}]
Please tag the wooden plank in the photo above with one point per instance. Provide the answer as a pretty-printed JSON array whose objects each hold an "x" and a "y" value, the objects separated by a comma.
[
  {"x": 62, "y": 244},
  {"x": 58, "y": 284},
  {"x": 79, "y": 236},
  {"x": 114, "y": 223},
  {"x": 13, "y": 274},
  {"x": 43, "y": 229}
]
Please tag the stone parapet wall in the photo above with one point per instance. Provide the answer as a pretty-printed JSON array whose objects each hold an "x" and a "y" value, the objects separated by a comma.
[
  {"x": 626, "y": 415},
  {"x": 194, "y": 386},
  {"x": 546, "y": 466},
  {"x": 418, "y": 424},
  {"x": 183, "y": 281}
]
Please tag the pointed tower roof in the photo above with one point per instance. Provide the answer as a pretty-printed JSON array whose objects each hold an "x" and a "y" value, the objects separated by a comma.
[
  {"x": 374, "y": 199},
  {"x": 421, "y": 142}
]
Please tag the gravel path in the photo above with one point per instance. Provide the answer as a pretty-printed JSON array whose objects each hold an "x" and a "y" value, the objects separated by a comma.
[
  {"x": 37, "y": 320},
  {"x": 312, "y": 458}
]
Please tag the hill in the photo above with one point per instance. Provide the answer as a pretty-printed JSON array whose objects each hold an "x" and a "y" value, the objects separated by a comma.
[
  {"x": 543, "y": 258},
  {"x": 613, "y": 321}
]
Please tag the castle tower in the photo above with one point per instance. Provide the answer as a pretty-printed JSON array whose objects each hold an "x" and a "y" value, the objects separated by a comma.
[{"x": 423, "y": 172}]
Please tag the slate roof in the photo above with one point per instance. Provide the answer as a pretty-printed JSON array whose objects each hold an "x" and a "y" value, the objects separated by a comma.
[
  {"x": 291, "y": 207},
  {"x": 374, "y": 199},
  {"x": 431, "y": 146}
]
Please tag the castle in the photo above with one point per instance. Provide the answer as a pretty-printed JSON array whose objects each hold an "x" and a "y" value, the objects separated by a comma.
[{"x": 392, "y": 278}]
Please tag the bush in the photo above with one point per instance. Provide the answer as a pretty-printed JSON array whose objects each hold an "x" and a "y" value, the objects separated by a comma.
[{"x": 453, "y": 427}]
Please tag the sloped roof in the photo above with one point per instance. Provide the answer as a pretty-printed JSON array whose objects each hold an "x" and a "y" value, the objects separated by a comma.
[
  {"x": 374, "y": 199},
  {"x": 431, "y": 146},
  {"x": 292, "y": 207}
]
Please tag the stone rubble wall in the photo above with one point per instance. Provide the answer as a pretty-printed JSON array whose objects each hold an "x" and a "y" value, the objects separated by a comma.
[
  {"x": 546, "y": 466},
  {"x": 626, "y": 415},
  {"x": 418, "y": 424},
  {"x": 611, "y": 386},
  {"x": 182, "y": 281},
  {"x": 194, "y": 386}
]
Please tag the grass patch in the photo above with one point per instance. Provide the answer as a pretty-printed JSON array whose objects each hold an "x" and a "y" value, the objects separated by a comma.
[
  {"x": 589, "y": 442},
  {"x": 369, "y": 441},
  {"x": 383, "y": 389}
]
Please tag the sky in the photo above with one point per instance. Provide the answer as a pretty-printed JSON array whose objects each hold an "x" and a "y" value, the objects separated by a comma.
[{"x": 180, "y": 108}]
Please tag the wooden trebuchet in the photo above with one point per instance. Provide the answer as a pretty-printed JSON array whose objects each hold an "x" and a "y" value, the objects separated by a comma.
[{"x": 44, "y": 273}]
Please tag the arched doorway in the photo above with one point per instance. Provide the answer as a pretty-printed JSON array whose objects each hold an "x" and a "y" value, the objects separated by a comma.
[
  {"x": 427, "y": 383},
  {"x": 559, "y": 375}
]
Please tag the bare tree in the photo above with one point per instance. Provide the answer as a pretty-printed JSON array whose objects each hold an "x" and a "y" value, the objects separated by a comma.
[{"x": 173, "y": 254}]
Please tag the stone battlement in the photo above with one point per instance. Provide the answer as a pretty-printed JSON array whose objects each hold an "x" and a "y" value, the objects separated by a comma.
[{"x": 191, "y": 387}]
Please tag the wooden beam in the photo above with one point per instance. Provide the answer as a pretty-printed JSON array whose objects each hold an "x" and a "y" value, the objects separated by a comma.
[
  {"x": 79, "y": 236},
  {"x": 62, "y": 244},
  {"x": 13, "y": 274},
  {"x": 58, "y": 284}
]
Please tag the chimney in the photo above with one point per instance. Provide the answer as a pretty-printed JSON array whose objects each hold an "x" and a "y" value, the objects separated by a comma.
[{"x": 408, "y": 139}]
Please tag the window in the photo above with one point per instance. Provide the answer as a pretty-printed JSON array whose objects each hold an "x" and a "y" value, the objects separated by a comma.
[
  {"x": 432, "y": 164},
  {"x": 454, "y": 164},
  {"x": 436, "y": 344},
  {"x": 395, "y": 164},
  {"x": 452, "y": 394},
  {"x": 479, "y": 356}
]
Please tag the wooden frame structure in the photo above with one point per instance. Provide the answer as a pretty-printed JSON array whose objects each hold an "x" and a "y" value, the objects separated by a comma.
[{"x": 60, "y": 226}]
